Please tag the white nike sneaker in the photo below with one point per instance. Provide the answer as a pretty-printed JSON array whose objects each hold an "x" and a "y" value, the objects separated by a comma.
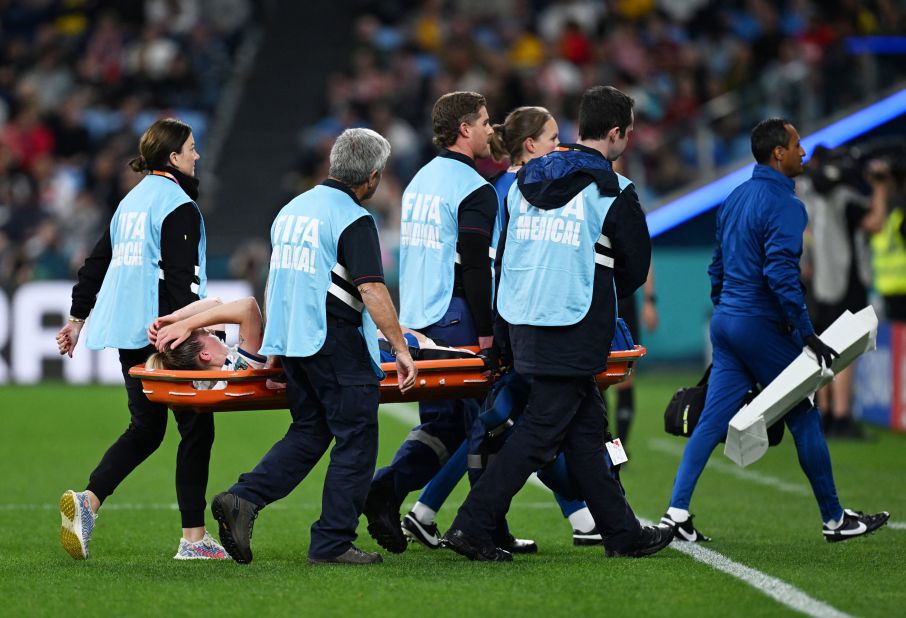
[
  {"x": 592, "y": 537},
  {"x": 419, "y": 532},
  {"x": 855, "y": 523},
  {"x": 684, "y": 531}
]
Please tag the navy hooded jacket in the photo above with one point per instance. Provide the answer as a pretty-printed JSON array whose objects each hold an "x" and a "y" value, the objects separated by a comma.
[
  {"x": 755, "y": 268},
  {"x": 579, "y": 349}
]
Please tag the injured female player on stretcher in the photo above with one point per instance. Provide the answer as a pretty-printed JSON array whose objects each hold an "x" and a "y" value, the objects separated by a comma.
[{"x": 186, "y": 340}]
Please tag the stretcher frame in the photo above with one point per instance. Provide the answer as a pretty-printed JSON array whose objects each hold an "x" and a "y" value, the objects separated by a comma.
[{"x": 458, "y": 378}]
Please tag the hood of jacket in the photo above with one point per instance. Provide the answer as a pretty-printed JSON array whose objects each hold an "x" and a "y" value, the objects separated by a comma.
[{"x": 551, "y": 181}]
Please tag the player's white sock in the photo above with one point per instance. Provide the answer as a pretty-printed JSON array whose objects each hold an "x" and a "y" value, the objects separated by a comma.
[
  {"x": 833, "y": 524},
  {"x": 677, "y": 515},
  {"x": 582, "y": 520},
  {"x": 424, "y": 513}
]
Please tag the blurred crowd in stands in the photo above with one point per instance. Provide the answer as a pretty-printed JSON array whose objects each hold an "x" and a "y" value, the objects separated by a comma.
[
  {"x": 702, "y": 74},
  {"x": 80, "y": 80}
]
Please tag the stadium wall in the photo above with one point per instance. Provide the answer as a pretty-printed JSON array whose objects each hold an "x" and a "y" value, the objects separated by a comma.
[{"x": 30, "y": 318}]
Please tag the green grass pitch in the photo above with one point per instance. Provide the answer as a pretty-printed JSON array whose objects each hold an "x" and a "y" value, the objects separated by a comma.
[{"x": 764, "y": 518}]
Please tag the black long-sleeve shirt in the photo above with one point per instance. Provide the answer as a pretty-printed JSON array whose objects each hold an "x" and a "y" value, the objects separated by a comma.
[
  {"x": 359, "y": 252},
  {"x": 179, "y": 238},
  {"x": 472, "y": 276}
]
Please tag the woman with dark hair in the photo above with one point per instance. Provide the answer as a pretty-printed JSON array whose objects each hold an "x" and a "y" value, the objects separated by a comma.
[{"x": 150, "y": 262}]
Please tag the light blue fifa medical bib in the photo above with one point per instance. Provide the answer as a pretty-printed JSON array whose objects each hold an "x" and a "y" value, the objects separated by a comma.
[
  {"x": 304, "y": 237},
  {"x": 547, "y": 276},
  {"x": 128, "y": 300},
  {"x": 429, "y": 230}
]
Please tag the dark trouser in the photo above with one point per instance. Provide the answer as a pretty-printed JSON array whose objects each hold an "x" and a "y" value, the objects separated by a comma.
[
  {"x": 444, "y": 424},
  {"x": 628, "y": 309},
  {"x": 565, "y": 413},
  {"x": 145, "y": 433},
  {"x": 332, "y": 395}
]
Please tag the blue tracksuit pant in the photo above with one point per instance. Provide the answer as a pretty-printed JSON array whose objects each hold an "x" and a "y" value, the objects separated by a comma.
[
  {"x": 444, "y": 482},
  {"x": 748, "y": 350},
  {"x": 444, "y": 423}
]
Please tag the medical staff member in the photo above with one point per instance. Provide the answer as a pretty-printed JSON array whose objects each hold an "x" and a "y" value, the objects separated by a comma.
[
  {"x": 325, "y": 295},
  {"x": 760, "y": 325},
  {"x": 446, "y": 245},
  {"x": 526, "y": 133},
  {"x": 576, "y": 236},
  {"x": 150, "y": 262}
]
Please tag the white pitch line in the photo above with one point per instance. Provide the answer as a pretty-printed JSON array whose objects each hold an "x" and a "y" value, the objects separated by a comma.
[
  {"x": 897, "y": 525},
  {"x": 782, "y": 592},
  {"x": 777, "y": 589},
  {"x": 670, "y": 447},
  {"x": 406, "y": 413}
]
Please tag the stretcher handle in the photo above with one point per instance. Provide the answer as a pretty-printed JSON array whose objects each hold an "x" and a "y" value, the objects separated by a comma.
[
  {"x": 636, "y": 352},
  {"x": 179, "y": 375}
]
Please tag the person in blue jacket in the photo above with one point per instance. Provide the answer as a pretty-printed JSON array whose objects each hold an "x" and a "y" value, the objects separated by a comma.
[
  {"x": 759, "y": 326},
  {"x": 576, "y": 238}
]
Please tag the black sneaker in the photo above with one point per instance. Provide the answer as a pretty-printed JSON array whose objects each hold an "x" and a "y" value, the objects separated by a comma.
[
  {"x": 652, "y": 539},
  {"x": 855, "y": 523},
  {"x": 417, "y": 532},
  {"x": 519, "y": 546},
  {"x": 592, "y": 537},
  {"x": 353, "y": 555},
  {"x": 467, "y": 546},
  {"x": 685, "y": 531},
  {"x": 236, "y": 518},
  {"x": 384, "y": 521}
]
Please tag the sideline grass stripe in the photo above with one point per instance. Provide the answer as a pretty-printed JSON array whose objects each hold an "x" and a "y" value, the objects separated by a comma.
[{"x": 663, "y": 445}]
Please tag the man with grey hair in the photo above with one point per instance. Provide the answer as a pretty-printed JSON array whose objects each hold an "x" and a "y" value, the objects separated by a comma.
[{"x": 325, "y": 298}]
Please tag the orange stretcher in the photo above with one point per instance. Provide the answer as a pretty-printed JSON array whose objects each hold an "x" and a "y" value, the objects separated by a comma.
[{"x": 456, "y": 378}]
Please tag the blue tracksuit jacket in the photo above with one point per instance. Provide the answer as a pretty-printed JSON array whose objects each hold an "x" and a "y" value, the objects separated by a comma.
[{"x": 755, "y": 269}]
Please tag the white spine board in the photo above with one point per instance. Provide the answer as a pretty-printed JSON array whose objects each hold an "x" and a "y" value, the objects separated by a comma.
[{"x": 851, "y": 335}]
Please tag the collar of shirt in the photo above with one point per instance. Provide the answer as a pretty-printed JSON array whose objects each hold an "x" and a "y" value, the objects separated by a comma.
[
  {"x": 766, "y": 172},
  {"x": 449, "y": 154},
  {"x": 580, "y": 148},
  {"x": 336, "y": 184},
  {"x": 188, "y": 183}
]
